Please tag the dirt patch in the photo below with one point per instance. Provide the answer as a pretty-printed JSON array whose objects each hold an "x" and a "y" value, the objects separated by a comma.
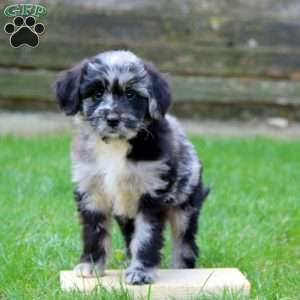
[
  {"x": 31, "y": 124},
  {"x": 240, "y": 129}
]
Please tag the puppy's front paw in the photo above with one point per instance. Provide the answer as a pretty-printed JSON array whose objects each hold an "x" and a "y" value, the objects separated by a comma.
[
  {"x": 139, "y": 276},
  {"x": 88, "y": 270}
]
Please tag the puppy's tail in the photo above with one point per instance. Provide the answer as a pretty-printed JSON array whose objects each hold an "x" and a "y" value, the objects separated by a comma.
[{"x": 205, "y": 192}]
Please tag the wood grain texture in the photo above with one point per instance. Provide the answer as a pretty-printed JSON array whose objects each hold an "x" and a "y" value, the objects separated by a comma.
[
  {"x": 201, "y": 41},
  {"x": 179, "y": 284},
  {"x": 36, "y": 85},
  {"x": 194, "y": 97},
  {"x": 222, "y": 54}
]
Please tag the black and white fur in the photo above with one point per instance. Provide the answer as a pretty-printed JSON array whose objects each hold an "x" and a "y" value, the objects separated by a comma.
[{"x": 132, "y": 162}]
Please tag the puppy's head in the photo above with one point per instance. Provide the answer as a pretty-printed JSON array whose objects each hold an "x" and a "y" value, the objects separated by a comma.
[{"x": 116, "y": 92}]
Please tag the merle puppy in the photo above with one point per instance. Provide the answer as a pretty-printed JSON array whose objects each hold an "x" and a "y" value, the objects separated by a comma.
[{"x": 131, "y": 161}]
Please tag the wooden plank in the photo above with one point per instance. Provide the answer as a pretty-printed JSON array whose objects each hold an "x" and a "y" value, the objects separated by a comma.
[
  {"x": 193, "y": 96},
  {"x": 26, "y": 85},
  {"x": 191, "y": 43},
  {"x": 36, "y": 85},
  {"x": 89, "y": 24},
  {"x": 224, "y": 90},
  {"x": 178, "y": 284},
  {"x": 27, "y": 90},
  {"x": 210, "y": 61}
]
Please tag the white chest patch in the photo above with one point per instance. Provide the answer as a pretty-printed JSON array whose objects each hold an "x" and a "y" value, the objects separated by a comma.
[{"x": 113, "y": 182}]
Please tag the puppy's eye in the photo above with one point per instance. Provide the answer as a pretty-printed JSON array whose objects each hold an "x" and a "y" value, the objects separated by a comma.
[
  {"x": 130, "y": 93},
  {"x": 99, "y": 94}
]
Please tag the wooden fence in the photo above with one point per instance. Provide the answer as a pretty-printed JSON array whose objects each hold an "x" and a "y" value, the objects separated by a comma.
[{"x": 233, "y": 58}]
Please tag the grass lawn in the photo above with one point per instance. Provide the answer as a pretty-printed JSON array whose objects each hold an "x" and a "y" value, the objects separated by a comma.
[{"x": 251, "y": 220}]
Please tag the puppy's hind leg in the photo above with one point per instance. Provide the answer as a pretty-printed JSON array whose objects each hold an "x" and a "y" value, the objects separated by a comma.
[
  {"x": 185, "y": 249},
  {"x": 184, "y": 226}
]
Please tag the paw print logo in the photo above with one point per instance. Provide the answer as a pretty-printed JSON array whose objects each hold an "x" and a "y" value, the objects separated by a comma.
[{"x": 24, "y": 32}]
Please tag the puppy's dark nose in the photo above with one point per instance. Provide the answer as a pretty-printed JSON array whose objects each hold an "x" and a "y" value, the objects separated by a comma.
[{"x": 113, "y": 120}]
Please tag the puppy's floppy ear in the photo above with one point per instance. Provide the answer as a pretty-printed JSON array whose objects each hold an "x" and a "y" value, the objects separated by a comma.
[
  {"x": 67, "y": 91},
  {"x": 160, "y": 94}
]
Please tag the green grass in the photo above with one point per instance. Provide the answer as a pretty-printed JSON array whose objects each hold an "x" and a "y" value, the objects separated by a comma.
[{"x": 250, "y": 221}]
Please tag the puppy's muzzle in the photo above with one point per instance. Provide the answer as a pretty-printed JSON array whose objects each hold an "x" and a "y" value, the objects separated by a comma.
[{"x": 113, "y": 120}]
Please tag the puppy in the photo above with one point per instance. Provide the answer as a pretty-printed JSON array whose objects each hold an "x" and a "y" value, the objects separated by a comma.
[{"x": 132, "y": 162}]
